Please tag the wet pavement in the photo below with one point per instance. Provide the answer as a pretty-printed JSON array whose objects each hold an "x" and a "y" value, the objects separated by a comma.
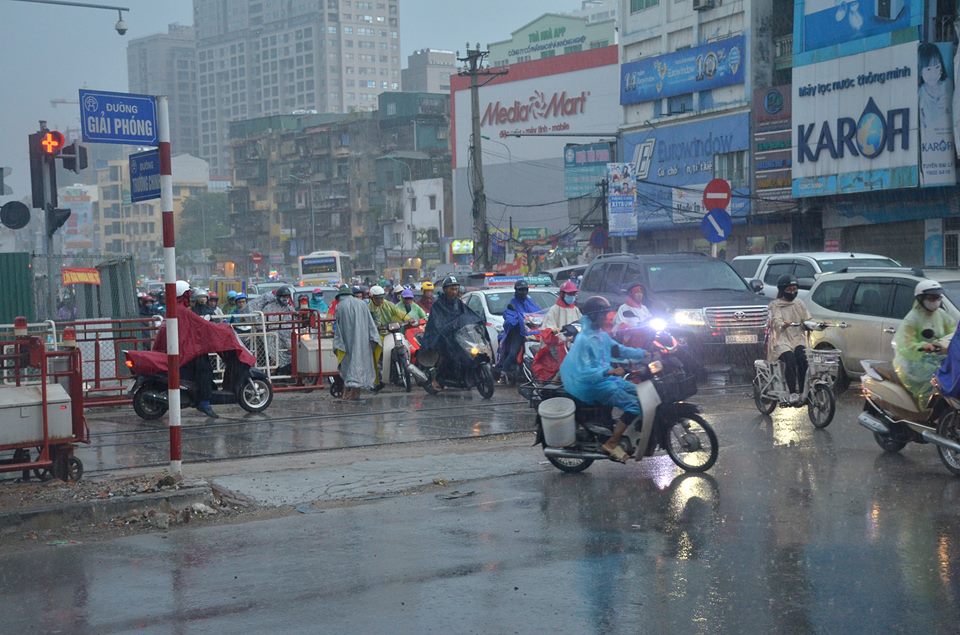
[{"x": 794, "y": 530}]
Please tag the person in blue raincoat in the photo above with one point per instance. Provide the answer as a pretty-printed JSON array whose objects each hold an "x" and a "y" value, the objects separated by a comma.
[
  {"x": 514, "y": 327},
  {"x": 588, "y": 376},
  {"x": 317, "y": 303}
]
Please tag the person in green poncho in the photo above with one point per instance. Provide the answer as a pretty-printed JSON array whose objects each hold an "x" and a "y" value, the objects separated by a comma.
[{"x": 921, "y": 341}]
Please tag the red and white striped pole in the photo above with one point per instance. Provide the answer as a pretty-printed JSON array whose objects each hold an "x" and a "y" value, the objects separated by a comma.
[{"x": 170, "y": 285}]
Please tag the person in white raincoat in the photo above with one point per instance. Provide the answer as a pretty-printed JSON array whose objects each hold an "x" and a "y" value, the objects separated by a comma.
[{"x": 354, "y": 339}]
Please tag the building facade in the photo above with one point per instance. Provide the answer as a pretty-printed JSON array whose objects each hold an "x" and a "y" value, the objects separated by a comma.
[
  {"x": 166, "y": 64},
  {"x": 429, "y": 71},
  {"x": 550, "y": 35},
  {"x": 258, "y": 58}
]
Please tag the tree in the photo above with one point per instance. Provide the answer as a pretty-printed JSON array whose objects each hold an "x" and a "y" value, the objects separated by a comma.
[{"x": 204, "y": 222}]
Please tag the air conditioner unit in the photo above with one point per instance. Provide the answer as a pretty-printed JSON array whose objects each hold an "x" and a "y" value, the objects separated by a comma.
[{"x": 702, "y": 5}]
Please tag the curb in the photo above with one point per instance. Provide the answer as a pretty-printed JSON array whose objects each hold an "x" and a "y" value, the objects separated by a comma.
[{"x": 100, "y": 510}]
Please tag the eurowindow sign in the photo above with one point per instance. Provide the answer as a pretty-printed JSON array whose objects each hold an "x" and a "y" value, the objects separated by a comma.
[{"x": 826, "y": 29}]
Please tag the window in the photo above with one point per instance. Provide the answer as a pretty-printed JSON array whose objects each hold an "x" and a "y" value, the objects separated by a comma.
[
  {"x": 777, "y": 269},
  {"x": 591, "y": 279},
  {"x": 476, "y": 304},
  {"x": 804, "y": 270},
  {"x": 871, "y": 298},
  {"x": 413, "y": 203},
  {"x": 746, "y": 267},
  {"x": 613, "y": 277},
  {"x": 572, "y": 49},
  {"x": 731, "y": 166},
  {"x": 902, "y": 301},
  {"x": 640, "y": 5},
  {"x": 433, "y": 201}
]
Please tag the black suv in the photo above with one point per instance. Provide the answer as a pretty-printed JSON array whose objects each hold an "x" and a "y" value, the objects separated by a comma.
[{"x": 703, "y": 299}]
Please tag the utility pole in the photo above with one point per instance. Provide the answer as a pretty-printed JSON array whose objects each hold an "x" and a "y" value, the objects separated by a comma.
[{"x": 481, "y": 235}]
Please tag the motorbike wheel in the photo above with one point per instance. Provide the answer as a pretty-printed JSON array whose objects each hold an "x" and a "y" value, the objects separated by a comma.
[
  {"x": 570, "y": 466},
  {"x": 691, "y": 437},
  {"x": 485, "y": 381},
  {"x": 764, "y": 404},
  {"x": 949, "y": 427},
  {"x": 821, "y": 405},
  {"x": 889, "y": 443},
  {"x": 256, "y": 395},
  {"x": 145, "y": 405},
  {"x": 405, "y": 378}
]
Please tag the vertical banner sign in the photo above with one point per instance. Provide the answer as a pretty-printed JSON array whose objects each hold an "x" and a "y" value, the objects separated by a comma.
[
  {"x": 584, "y": 166},
  {"x": 935, "y": 102},
  {"x": 622, "y": 199}
]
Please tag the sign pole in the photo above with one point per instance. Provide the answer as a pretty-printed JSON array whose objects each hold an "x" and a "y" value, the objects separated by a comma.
[{"x": 170, "y": 284}]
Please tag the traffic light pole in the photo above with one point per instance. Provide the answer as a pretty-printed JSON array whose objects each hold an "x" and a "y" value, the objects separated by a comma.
[
  {"x": 49, "y": 189},
  {"x": 170, "y": 285}
]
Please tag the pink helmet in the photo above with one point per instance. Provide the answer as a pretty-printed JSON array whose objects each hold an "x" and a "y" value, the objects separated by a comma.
[{"x": 568, "y": 287}]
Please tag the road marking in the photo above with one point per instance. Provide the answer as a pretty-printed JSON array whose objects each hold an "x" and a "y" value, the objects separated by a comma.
[{"x": 503, "y": 500}]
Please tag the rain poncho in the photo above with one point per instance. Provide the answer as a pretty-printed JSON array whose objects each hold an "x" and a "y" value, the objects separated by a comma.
[
  {"x": 318, "y": 304},
  {"x": 783, "y": 338},
  {"x": 914, "y": 367},
  {"x": 584, "y": 370},
  {"x": 630, "y": 319},
  {"x": 356, "y": 335},
  {"x": 446, "y": 318},
  {"x": 413, "y": 312},
  {"x": 560, "y": 314},
  {"x": 513, "y": 316},
  {"x": 949, "y": 374},
  {"x": 386, "y": 313}
]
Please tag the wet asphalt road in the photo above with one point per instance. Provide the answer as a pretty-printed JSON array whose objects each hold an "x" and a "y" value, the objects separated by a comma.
[{"x": 793, "y": 531}]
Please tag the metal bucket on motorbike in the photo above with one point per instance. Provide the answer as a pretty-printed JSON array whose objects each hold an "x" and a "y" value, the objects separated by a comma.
[{"x": 558, "y": 418}]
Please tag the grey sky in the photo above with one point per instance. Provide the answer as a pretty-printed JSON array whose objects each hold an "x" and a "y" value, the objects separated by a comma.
[{"x": 51, "y": 51}]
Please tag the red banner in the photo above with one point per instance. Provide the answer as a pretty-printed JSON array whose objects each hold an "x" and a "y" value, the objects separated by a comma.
[{"x": 80, "y": 275}]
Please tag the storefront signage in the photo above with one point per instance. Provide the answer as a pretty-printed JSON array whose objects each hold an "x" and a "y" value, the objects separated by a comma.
[
  {"x": 938, "y": 166},
  {"x": 854, "y": 123},
  {"x": 584, "y": 166},
  {"x": 772, "y": 148},
  {"x": 850, "y": 26},
  {"x": 709, "y": 66},
  {"x": 538, "y": 106}
]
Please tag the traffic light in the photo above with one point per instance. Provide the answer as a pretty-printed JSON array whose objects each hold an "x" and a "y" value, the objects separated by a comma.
[
  {"x": 44, "y": 148},
  {"x": 51, "y": 142},
  {"x": 74, "y": 157},
  {"x": 55, "y": 219}
]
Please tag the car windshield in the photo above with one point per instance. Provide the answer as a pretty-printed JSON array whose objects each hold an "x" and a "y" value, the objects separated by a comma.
[
  {"x": 952, "y": 290},
  {"x": 497, "y": 302},
  {"x": 836, "y": 264},
  {"x": 696, "y": 275}
]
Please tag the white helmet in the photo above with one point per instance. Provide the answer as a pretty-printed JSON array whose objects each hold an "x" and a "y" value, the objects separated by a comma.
[
  {"x": 182, "y": 287},
  {"x": 927, "y": 287},
  {"x": 377, "y": 290}
]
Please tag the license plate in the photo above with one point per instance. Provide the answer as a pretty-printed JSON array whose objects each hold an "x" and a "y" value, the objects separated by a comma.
[{"x": 742, "y": 338}]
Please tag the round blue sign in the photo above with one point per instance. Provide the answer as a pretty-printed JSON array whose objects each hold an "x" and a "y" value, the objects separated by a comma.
[{"x": 716, "y": 226}]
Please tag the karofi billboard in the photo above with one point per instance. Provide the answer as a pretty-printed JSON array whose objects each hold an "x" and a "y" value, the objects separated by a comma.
[{"x": 855, "y": 123}]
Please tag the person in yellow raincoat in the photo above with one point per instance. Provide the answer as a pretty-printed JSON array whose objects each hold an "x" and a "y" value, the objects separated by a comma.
[{"x": 921, "y": 341}]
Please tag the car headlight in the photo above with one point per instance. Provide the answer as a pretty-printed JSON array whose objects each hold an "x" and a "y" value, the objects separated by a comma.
[{"x": 689, "y": 317}]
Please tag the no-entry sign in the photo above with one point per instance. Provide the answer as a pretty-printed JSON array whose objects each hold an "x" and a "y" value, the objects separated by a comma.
[{"x": 717, "y": 194}]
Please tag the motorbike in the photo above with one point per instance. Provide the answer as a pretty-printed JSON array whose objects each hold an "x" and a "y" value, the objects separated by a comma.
[
  {"x": 467, "y": 364},
  {"x": 770, "y": 388},
  {"x": 248, "y": 387},
  {"x": 531, "y": 344},
  {"x": 397, "y": 359},
  {"x": 890, "y": 412},
  {"x": 669, "y": 422}
]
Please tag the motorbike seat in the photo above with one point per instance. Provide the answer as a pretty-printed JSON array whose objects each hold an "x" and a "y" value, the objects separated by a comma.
[
  {"x": 887, "y": 372},
  {"x": 592, "y": 412}
]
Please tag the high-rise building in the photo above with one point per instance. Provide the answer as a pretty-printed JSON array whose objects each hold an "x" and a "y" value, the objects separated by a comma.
[
  {"x": 260, "y": 58},
  {"x": 429, "y": 71},
  {"x": 165, "y": 64}
]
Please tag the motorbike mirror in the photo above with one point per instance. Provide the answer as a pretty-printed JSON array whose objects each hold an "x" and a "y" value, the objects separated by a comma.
[{"x": 756, "y": 285}]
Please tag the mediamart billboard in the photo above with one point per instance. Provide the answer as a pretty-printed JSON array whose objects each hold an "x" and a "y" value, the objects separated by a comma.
[{"x": 855, "y": 123}]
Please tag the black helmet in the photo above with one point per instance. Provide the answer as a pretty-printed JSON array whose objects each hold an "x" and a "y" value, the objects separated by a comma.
[
  {"x": 283, "y": 291},
  {"x": 521, "y": 285},
  {"x": 785, "y": 281},
  {"x": 450, "y": 281},
  {"x": 597, "y": 305}
]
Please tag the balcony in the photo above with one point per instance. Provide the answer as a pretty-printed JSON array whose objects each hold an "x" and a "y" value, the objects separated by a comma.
[{"x": 783, "y": 52}]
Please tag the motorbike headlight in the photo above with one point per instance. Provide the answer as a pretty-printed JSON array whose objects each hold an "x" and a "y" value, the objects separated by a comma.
[
  {"x": 658, "y": 324},
  {"x": 474, "y": 351},
  {"x": 655, "y": 367},
  {"x": 689, "y": 317}
]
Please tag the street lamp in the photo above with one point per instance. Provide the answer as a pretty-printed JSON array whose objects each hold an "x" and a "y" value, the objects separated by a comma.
[
  {"x": 120, "y": 26},
  {"x": 509, "y": 154}
]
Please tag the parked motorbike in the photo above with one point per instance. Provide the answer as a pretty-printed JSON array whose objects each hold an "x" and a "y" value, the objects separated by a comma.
[
  {"x": 248, "y": 387},
  {"x": 577, "y": 430},
  {"x": 891, "y": 413},
  {"x": 466, "y": 364}
]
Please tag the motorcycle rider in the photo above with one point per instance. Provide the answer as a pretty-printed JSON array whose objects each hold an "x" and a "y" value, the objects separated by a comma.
[
  {"x": 383, "y": 313},
  {"x": 786, "y": 343},
  {"x": 213, "y": 303},
  {"x": 410, "y": 308},
  {"x": 279, "y": 301},
  {"x": 231, "y": 302},
  {"x": 317, "y": 303},
  {"x": 588, "y": 375},
  {"x": 200, "y": 370},
  {"x": 147, "y": 305},
  {"x": 565, "y": 311},
  {"x": 448, "y": 315},
  {"x": 200, "y": 303},
  {"x": 921, "y": 341},
  {"x": 631, "y": 315},
  {"x": 426, "y": 296},
  {"x": 515, "y": 327}
]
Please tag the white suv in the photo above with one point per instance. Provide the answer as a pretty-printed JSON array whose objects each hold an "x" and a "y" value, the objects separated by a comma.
[
  {"x": 762, "y": 271},
  {"x": 867, "y": 306}
]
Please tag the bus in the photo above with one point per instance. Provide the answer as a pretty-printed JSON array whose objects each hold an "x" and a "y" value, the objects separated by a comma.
[{"x": 325, "y": 268}]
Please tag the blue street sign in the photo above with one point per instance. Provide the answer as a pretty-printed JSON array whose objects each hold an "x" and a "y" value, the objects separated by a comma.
[
  {"x": 716, "y": 226},
  {"x": 107, "y": 117},
  {"x": 144, "y": 176}
]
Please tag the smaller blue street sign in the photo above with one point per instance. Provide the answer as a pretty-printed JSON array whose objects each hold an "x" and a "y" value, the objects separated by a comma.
[
  {"x": 716, "y": 226},
  {"x": 144, "y": 176},
  {"x": 107, "y": 117}
]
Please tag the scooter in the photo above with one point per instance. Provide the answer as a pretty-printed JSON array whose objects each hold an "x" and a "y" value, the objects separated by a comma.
[
  {"x": 891, "y": 414},
  {"x": 770, "y": 388},
  {"x": 669, "y": 422},
  {"x": 396, "y": 362},
  {"x": 467, "y": 364},
  {"x": 248, "y": 387}
]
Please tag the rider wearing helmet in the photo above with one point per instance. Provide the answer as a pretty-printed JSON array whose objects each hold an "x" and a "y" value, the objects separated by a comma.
[
  {"x": 565, "y": 311},
  {"x": 410, "y": 308},
  {"x": 588, "y": 375},
  {"x": 426, "y": 296},
  {"x": 200, "y": 370},
  {"x": 213, "y": 304},
  {"x": 146, "y": 305},
  {"x": 921, "y": 340},
  {"x": 231, "y": 305},
  {"x": 184, "y": 291},
  {"x": 384, "y": 313},
  {"x": 786, "y": 343},
  {"x": 449, "y": 314},
  {"x": 631, "y": 315},
  {"x": 317, "y": 303},
  {"x": 200, "y": 307},
  {"x": 514, "y": 327}
]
